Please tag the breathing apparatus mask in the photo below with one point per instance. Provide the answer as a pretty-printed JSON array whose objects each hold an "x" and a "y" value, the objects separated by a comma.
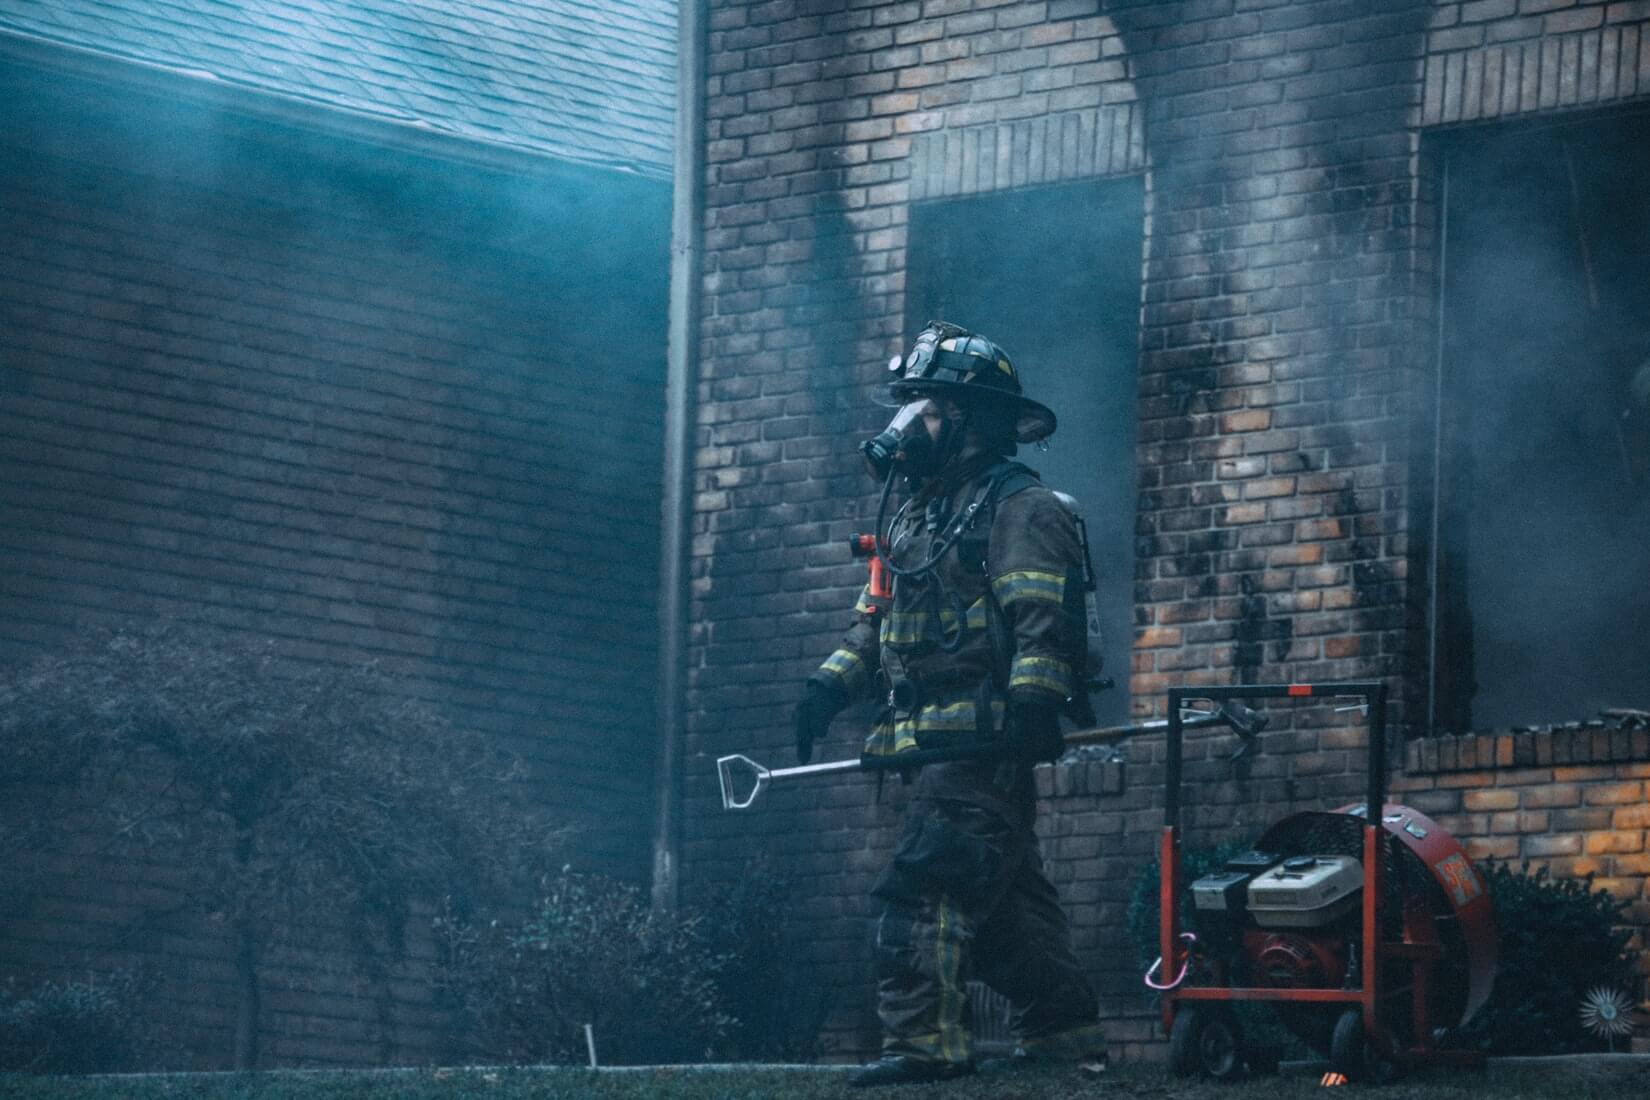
[{"x": 906, "y": 447}]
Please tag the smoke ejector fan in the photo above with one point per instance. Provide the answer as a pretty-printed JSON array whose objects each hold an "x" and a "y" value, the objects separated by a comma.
[{"x": 1371, "y": 940}]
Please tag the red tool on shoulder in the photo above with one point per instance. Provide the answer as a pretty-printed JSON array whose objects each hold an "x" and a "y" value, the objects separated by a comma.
[{"x": 865, "y": 546}]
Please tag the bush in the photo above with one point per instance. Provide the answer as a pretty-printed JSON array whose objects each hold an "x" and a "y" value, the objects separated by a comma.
[
  {"x": 1142, "y": 917},
  {"x": 279, "y": 795},
  {"x": 1559, "y": 938},
  {"x": 592, "y": 952},
  {"x": 776, "y": 1019},
  {"x": 710, "y": 982},
  {"x": 72, "y": 1027}
]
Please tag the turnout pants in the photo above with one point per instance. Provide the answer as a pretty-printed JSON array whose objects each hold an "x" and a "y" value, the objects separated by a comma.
[{"x": 965, "y": 897}]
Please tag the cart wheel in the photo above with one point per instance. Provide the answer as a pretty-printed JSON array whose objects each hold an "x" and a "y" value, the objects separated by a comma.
[
  {"x": 1351, "y": 1055},
  {"x": 1206, "y": 1041}
]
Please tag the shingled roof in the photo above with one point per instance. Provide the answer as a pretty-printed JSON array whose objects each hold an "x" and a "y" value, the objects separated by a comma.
[{"x": 589, "y": 80}]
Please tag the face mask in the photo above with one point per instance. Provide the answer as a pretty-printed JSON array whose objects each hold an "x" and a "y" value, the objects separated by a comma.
[
  {"x": 905, "y": 446},
  {"x": 894, "y": 445}
]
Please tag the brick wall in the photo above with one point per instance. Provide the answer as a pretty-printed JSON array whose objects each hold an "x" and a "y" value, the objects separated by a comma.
[
  {"x": 369, "y": 403},
  {"x": 1572, "y": 801},
  {"x": 1284, "y": 401}
]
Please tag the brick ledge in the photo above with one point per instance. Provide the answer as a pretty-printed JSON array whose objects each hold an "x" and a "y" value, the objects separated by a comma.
[
  {"x": 1075, "y": 778},
  {"x": 1526, "y": 749}
]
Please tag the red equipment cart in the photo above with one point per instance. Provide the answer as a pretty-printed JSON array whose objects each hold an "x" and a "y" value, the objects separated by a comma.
[{"x": 1376, "y": 986}]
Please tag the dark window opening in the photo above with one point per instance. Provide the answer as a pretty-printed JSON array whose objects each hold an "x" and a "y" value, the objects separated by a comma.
[
  {"x": 1542, "y": 545},
  {"x": 1053, "y": 275}
]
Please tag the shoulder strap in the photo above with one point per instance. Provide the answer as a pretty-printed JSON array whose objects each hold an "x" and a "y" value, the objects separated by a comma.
[
  {"x": 1011, "y": 478},
  {"x": 1002, "y": 480}
]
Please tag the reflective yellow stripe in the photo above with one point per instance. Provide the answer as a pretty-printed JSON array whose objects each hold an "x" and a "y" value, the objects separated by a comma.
[
  {"x": 848, "y": 668},
  {"x": 948, "y": 966},
  {"x": 946, "y": 716},
  {"x": 1046, "y": 673},
  {"x": 956, "y": 715},
  {"x": 907, "y": 628},
  {"x": 959, "y": 716},
  {"x": 1029, "y": 584},
  {"x": 974, "y": 617},
  {"x": 886, "y": 740},
  {"x": 912, "y": 627},
  {"x": 865, "y": 605}
]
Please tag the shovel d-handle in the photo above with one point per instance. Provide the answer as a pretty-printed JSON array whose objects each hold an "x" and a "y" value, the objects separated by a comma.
[
  {"x": 731, "y": 769},
  {"x": 742, "y": 779}
]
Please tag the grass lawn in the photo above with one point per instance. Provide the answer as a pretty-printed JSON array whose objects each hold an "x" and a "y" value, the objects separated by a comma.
[{"x": 1572, "y": 1081}]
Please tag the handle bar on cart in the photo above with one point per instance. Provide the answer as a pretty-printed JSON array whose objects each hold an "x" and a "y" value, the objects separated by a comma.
[{"x": 730, "y": 770}]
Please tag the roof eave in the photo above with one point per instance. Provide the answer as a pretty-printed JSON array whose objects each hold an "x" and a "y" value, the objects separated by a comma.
[{"x": 384, "y": 129}]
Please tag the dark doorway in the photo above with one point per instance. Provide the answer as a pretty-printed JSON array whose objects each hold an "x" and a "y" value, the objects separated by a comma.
[
  {"x": 1542, "y": 608},
  {"x": 1053, "y": 275}
]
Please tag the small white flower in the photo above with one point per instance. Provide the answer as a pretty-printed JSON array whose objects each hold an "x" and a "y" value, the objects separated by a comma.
[{"x": 1607, "y": 1013}]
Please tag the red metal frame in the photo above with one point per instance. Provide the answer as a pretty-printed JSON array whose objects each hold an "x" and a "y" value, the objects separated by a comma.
[{"x": 1419, "y": 953}]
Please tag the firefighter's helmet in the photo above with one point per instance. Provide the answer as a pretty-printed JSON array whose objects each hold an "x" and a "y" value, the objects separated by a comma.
[{"x": 950, "y": 361}]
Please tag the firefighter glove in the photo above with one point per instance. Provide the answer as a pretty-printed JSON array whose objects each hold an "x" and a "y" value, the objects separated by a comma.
[
  {"x": 1036, "y": 730},
  {"x": 820, "y": 703}
]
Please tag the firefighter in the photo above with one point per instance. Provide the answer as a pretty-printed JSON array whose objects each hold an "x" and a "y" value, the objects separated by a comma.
[{"x": 981, "y": 644}]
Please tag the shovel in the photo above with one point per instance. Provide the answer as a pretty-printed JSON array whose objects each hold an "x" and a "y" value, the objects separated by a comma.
[{"x": 738, "y": 773}]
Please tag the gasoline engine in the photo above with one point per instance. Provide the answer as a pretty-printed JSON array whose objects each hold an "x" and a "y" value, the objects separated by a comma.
[{"x": 1289, "y": 904}]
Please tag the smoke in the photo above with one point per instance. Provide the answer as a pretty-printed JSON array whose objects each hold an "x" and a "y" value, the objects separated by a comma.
[
  {"x": 1546, "y": 508},
  {"x": 327, "y": 387}
]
